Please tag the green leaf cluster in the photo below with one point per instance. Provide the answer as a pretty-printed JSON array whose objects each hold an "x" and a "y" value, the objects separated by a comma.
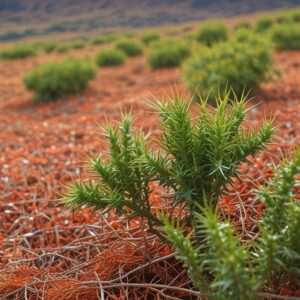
[{"x": 223, "y": 267}]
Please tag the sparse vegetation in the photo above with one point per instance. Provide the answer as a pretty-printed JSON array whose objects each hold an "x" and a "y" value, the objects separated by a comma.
[
  {"x": 63, "y": 48},
  {"x": 103, "y": 39},
  {"x": 287, "y": 36},
  {"x": 49, "y": 47},
  {"x": 264, "y": 24},
  {"x": 129, "y": 47},
  {"x": 110, "y": 57},
  {"x": 168, "y": 54},
  {"x": 53, "y": 80},
  {"x": 18, "y": 52},
  {"x": 150, "y": 37},
  {"x": 242, "y": 65},
  {"x": 212, "y": 33}
]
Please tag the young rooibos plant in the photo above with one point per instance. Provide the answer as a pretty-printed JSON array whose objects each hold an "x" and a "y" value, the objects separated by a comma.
[
  {"x": 198, "y": 158},
  {"x": 222, "y": 267}
]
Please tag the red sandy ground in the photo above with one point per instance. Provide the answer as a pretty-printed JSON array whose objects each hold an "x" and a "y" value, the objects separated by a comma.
[{"x": 49, "y": 252}]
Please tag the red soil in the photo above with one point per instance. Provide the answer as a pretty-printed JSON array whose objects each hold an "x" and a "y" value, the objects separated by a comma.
[{"x": 49, "y": 252}]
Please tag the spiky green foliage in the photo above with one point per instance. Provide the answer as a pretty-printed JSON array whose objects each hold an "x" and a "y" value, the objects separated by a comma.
[
  {"x": 53, "y": 80},
  {"x": 240, "y": 64},
  {"x": 287, "y": 36},
  {"x": 18, "y": 52},
  {"x": 202, "y": 155},
  {"x": 168, "y": 54},
  {"x": 198, "y": 158},
  {"x": 130, "y": 47},
  {"x": 224, "y": 268},
  {"x": 212, "y": 33},
  {"x": 110, "y": 57},
  {"x": 124, "y": 177},
  {"x": 281, "y": 221},
  {"x": 219, "y": 266}
]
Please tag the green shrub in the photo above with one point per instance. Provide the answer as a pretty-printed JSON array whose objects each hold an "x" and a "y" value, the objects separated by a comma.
[
  {"x": 295, "y": 16},
  {"x": 243, "y": 25},
  {"x": 18, "y": 51},
  {"x": 49, "y": 47},
  {"x": 264, "y": 24},
  {"x": 130, "y": 47},
  {"x": 212, "y": 33},
  {"x": 110, "y": 57},
  {"x": 77, "y": 44},
  {"x": 200, "y": 156},
  {"x": 150, "y": 37},
  {"x": 56, "y": 79},
  {"x": 63, "y": 48},
  {"x": 242, "y": 65},
  {"x": 287, "y": 37},
  {"x": 103, "y": 39},
  {"x": 167, "y": 54},
  {"x": 222, "y": 267}
]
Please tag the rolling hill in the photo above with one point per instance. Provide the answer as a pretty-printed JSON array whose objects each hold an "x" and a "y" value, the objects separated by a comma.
[{"x": 19, "y": 18}]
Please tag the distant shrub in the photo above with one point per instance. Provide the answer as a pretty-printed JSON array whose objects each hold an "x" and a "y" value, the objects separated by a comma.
[
  {"x": 103, "y": 39},
  {"x": 49, "y": 47},
  {"x": 295, "y": 16},
  {"x": 287, "y": 37},
  {"x": 130, "y": 47},
  {"x": 110, "y": 57},
  {"x": 241, "y": 65},
  {"x": 53, "y": 80},
  {"x": 282, "y": 19},
  {"x": 77, "y": 44},
  {"x": 150, "y": 37},
  {"x": 212, "y": 33},
  {"x": 18, "y": 51},
  {"x": 243, "y": 25},
  {"x": 63, "y": 48},
  {"x": 167, "y": 54},
  {"x": 264, "y": 24}
]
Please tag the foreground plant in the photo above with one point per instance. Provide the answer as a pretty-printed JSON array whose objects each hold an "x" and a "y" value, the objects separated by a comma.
[
  {"x": 222, "y": 267},
  {"x": 197, "y": 160}
]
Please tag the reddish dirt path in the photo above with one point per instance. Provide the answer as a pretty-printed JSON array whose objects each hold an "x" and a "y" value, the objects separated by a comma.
[{"x": 43, "y": 146}]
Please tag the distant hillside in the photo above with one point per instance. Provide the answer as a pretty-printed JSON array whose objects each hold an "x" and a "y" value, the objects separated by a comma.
[{"x": 20, "y": 18}]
